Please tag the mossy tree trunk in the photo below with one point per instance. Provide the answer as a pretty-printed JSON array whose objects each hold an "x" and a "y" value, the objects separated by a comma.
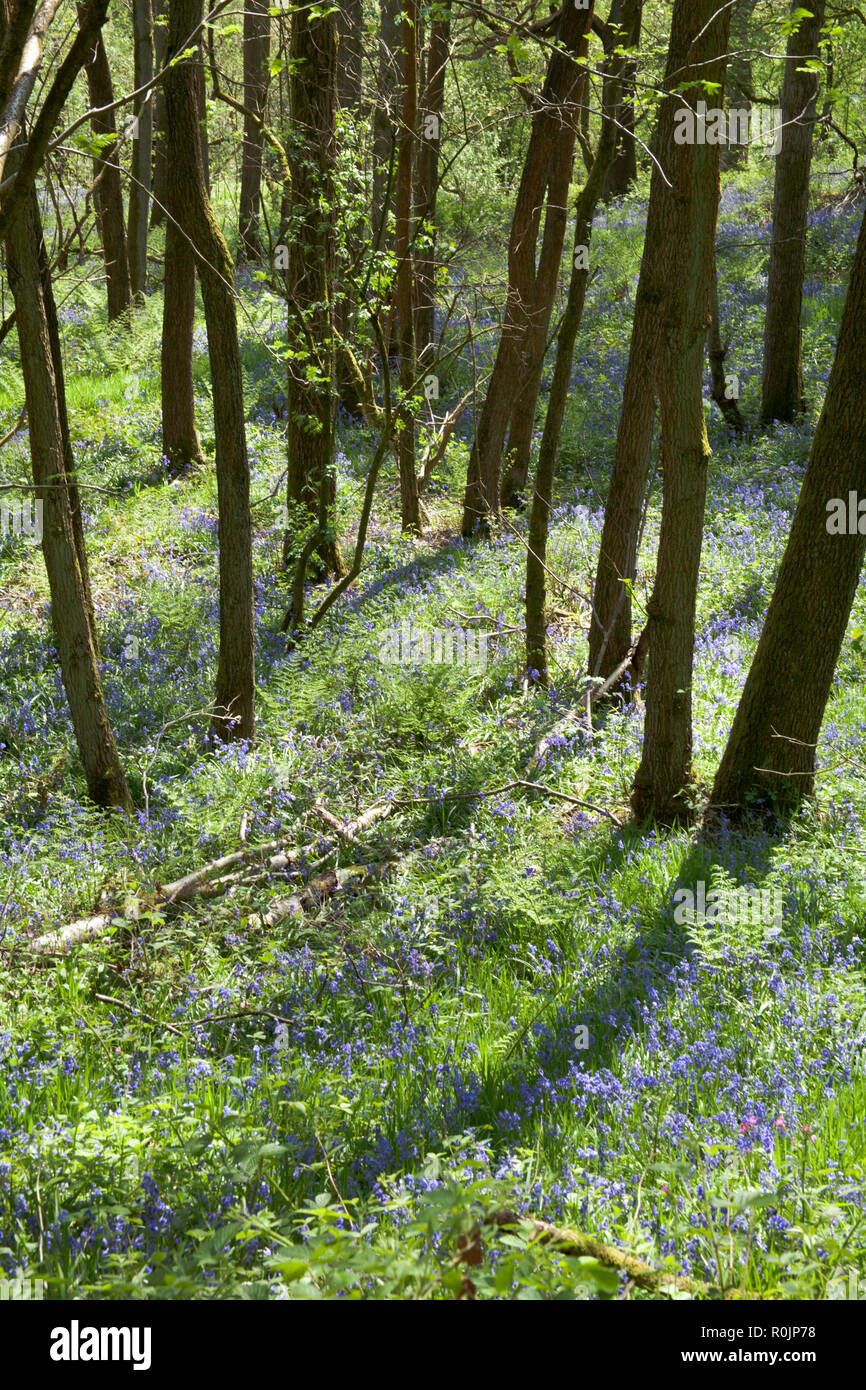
[
  {"x": 410, "y": 510},
  {"x": 686, "y": 221},
  {"x": 309, "y": 293}
]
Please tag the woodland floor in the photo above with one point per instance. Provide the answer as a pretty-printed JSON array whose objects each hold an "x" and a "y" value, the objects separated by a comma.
[{"x": 428, "y": 1063}]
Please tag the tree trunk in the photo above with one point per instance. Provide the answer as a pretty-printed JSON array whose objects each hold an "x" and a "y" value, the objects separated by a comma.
[
  {"x": 160, "y": 163},
  {"x": 623, "y": 167},
  {"x": 720, "y": 388},
  {"x": 770, "y": 754},
  {"x": 738, "y": 85},
  {"x": 782, "y": 386},
  {"x": 108, "y": 195},
  {"x": 70, "y": 607},
  {"x": 610, "y": 633},
  {"x": 235, "y": 683},
  {"x": 410, "y": 511},
  {"x": 350, "y": 54},
  {"x": 550, "y": 152},
  {"x": 22, "y": 44},
  {"x": 142, "y": 149},
  {"x": 309, "y": 297},
  {"x": 522, "y": 424},
  {"x": 180, "y": 441},
  {"x": 687, "y": 221},
  {"x": 257, "y": 40},
  {"x": 385, "y": 114},
  {"x": 428, "y": 179},
  {"x": 539, "y": 520}
]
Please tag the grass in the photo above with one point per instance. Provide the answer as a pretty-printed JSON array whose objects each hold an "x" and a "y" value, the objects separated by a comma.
[{"x": 196, "y": 1106}]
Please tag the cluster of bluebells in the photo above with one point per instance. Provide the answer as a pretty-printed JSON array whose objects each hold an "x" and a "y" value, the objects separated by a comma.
[{"x": 393, "y": 1034}]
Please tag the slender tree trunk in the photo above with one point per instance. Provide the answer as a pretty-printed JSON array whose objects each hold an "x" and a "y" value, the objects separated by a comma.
[
  {"x": 738, "y": 85},
  {"x": 721, "y": 389},
  {"x": 108, "y": 195},
  {"x": 350, "y": 54},
  {"x": 687, "y": 221},
  {"x": 257, "y": 40},
  {"x": 610, "y": 633},
  {"x": 539, "y": 520},
  {"x": 522, "y": 426},
  {"x": 17, "y": 17},
  {"x": 385, "y": 112},
  {"x": 410, "y": 510},
  {"x": 235, "y": 683},
  {"x": 551, "y": 146},
  {"x": 160, "y": 164},
  {"x": 70, "y": 606},
  {"x": 142, "y": 149},
  {"x": 782, "y": 386},
  {"x": 770, "y": 753},
  {"x": 428, "y": 178},
  {"x": 180, "y": 441},
  {"x": 49, "y": 308},
  {"x": 623, "y": 167},
  {"x": 312, "y": 403}
]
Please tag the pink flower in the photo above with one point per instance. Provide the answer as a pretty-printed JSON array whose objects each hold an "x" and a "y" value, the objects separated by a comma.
[
  {"x": 748, "y": 1123},
  {"x": 780, "y": 1122}
]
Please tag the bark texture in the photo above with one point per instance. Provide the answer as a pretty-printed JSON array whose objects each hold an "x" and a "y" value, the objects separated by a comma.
[
  {"x": 309, "y": 294},
  {"x": 71, "y": 608},
  {"x": 142, "y": 149},
  {"x": 257, "y": 33},
  {"x": 235, "y": 683},
  {"x": 782, "y": 385},
  {"x": 770, "y": 753},
  {"x": 530, "y": 290},
  {"x": 686, "y": 221},
  {"x": 108, "y": 195}
]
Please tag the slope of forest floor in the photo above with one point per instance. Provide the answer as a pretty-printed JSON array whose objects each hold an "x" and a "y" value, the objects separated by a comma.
[{"x": 502, "y": 1009}]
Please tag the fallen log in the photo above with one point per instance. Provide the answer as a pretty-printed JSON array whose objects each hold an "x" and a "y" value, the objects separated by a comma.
[
  {"x": 350, "y": 830},
  {"x": 575, "y": 1243},
  {"x": 274, "y": 857}
]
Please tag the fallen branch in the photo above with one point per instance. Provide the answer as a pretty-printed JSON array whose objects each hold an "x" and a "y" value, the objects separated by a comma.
[
  {"x": 510, "y": 786},
  {"x": 210, "y": 881},
  {"x": 350, "y": 830},
  {"x": 575, "y": 1243}
]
